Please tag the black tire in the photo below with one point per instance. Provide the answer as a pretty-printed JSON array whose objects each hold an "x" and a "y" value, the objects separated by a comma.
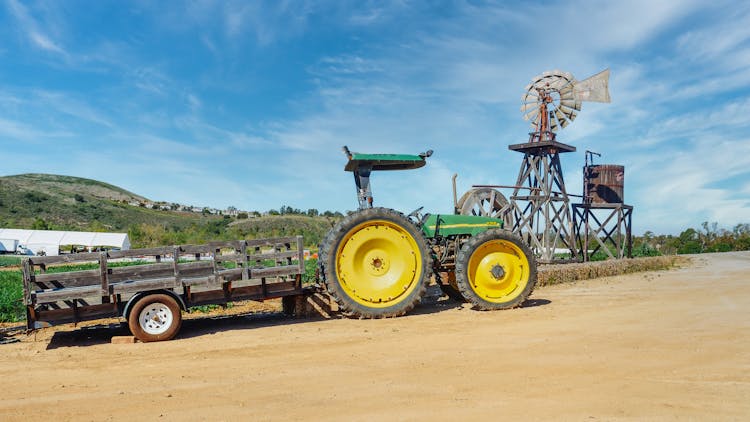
[
  {"x": 156, "y": 317},
  {"x": 495, "y": 270},
  {"x": 375, "y": 245}
]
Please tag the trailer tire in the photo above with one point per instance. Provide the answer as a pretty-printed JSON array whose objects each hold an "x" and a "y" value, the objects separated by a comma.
[
  {"x": 156, "y": 317},
  {"x": 495, "y": 270},
  {"x": 375, "y": 263}
]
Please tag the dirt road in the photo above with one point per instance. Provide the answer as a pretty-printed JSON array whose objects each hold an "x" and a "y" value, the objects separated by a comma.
[{"x": 660, "y": 345}]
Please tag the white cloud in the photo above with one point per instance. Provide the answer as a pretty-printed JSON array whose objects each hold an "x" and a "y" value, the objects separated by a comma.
[
  {"x": 32, "y": 29},
  {"x": 13, "y": 131}
]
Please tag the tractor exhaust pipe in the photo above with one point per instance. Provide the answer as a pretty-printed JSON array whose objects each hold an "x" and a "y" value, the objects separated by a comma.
[{"x": 455, "y": 195}]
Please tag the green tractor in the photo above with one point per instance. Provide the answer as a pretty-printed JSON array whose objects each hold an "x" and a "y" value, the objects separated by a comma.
[{"x": 378, "y": 262}]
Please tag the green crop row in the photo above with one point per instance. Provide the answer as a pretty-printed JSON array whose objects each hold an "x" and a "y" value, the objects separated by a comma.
[
  {"x": 9, "y": 260},
  {"x": 11, "y": 296}
]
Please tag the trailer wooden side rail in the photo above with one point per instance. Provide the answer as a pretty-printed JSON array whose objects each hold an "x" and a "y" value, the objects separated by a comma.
[{"x": 188, "y": 275}]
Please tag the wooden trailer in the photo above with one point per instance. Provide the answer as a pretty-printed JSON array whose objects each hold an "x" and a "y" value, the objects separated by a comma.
[{"x": 151, "y": 287}]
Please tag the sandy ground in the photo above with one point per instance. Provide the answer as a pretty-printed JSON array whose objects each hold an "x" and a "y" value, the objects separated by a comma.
[{"x": 669, "y": 345}]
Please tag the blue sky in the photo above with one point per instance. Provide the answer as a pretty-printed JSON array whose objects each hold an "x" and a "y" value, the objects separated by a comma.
[{"x": 247, "y": 103}]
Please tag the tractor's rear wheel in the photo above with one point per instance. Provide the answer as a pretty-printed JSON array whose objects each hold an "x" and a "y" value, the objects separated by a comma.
[
  {"x": 375, "y": 263},
  {"x": 495, "y": 270}
]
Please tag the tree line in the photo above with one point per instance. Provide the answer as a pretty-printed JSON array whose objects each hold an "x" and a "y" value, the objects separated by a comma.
[{"x": 708, "y": 238}]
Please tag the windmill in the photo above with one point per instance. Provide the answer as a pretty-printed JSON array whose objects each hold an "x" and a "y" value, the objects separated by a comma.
[
  {"x": 539, "y": 207},
  {"x": 553, "y": 99},
  {"x": 540, "y": 204}
]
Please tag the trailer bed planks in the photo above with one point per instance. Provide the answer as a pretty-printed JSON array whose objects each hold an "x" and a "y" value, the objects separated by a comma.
[{"x": 212, "y": 273}]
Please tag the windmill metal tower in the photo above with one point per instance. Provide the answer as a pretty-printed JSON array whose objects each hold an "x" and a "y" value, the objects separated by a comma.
[{"x": 540, "y": 204}]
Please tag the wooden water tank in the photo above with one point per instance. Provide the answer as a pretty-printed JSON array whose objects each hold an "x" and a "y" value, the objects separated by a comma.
[{"x": 604, "y": 184}]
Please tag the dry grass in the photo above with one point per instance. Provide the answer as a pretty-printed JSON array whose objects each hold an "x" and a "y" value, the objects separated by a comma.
[{"x": 567, "y": 273}]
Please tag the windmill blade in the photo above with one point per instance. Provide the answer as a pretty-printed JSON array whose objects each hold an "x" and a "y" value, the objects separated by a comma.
[
  {"x": 560, "y": 82},
  {"x": 561, "y": 117},
  {"x": 568, "y": 91},
  {"x": 553, "y": 125},
  {"x": 569, "y": 113},
  {"x": 530, "y": 96},
  {"x": 595, "y": 88},
  {"x": 530, "y": 114},
  {"x": 528, "y": 106},
  {"x": 570, "y": 104}
]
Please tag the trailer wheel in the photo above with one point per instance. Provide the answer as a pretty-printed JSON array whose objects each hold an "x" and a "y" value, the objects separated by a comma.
[
  {"x": 495, "y": 270},
  {"x": 375, "y": 263},
  {"x": 156, "y": 317}
]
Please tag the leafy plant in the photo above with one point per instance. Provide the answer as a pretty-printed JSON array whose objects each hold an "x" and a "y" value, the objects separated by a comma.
[{"x": 11, "y": 296}]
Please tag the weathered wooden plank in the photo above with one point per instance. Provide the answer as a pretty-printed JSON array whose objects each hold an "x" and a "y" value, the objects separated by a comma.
[
  {"x": 258, "y": 257},
  {"x": 58, "y": 316},
  {"x": 176, "y": 266},
  {"x": 254, "y": 292},
  {"x": 68, "y": 293},
  {"x": 70, "y": 279},
  {"x": 301, "y": 252},
  {"x": 27, "y": 282},
  {"x": 230, "y": 272},
  {"x": 244, "y": 263},
  {"x": 201, "y": 281},
  {"x": 161, "y": 251},
  {"x": 103, "y": 274},
  {"x": 233, "y": 244},
  {"x": 272, "y": 255},
  {"x": 229, "y": 257},
  {"x": 197, "y": 249},
  {"x": 141, "y": 285},
  {"x": 273, "y": 271},
  {"x": 121, "y": 274},
  {"x": 67, "y": 258},
  {"x": 139, "y": 272},
  {"x": 271, "y": 242},
  {"x": 189, "y": 266}
]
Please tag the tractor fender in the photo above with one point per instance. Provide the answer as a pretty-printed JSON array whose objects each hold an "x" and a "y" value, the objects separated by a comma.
[{"x": 140, "y": 295}]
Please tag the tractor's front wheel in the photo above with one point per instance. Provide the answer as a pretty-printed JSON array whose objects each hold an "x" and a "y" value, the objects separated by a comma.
[
  {"x": 375, "y": 263},
  {"x": 495, "y": 270}
]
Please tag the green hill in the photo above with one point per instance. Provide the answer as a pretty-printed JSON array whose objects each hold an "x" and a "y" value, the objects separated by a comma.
[
  {"x": 44, "y": 201},
  {"x": 72, "y": 203},
  {"x": 312, "y": 228}
]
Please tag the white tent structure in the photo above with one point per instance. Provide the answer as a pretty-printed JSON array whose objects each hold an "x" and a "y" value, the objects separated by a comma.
[{"x": 35, "y": 242}]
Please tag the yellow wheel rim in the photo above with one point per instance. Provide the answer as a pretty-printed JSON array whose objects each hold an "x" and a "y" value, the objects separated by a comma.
[
  {"x": 378, "y": 263},
  {"x": 498, "y": 271}
]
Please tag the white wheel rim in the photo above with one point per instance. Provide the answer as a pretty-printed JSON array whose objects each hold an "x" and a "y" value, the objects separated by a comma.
[{"x": 156, "y": 318}]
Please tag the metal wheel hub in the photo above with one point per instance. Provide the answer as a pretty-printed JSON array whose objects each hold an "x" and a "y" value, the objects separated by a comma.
[
  {"x": 497, "y": 271},
  {"x": 156, "y": 318},
  {"x": 378, "y": 263}
]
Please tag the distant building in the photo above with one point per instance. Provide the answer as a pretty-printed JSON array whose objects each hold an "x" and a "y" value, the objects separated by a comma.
[{"x": 48, "y": 242}]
